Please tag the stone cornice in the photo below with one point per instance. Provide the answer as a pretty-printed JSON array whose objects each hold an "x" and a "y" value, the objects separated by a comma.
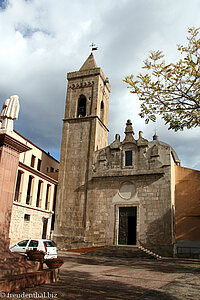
[
  {"x": 9, "y": 141},
  {"x": 37, "y": 173},
  {"x": 89, "y": 73},
  {"x": 80, "y": 85},
  {"x": 84, "y": 119},
  {"x": 126, "y": 173},
  {"x": 84, "y": 73},
  {"x": 50, "y": 212}
]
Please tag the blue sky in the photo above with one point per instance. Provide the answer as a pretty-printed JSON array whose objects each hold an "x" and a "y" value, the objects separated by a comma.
[
  {"x": 42, "y": 40},
  {"x": 2, "y": 3}
]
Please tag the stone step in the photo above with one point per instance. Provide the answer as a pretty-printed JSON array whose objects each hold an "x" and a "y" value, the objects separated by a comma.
[
  {"x": 121, "y": 252},
  {"x": 14, "y": 263},
  {"x": 19, "y": 282}
]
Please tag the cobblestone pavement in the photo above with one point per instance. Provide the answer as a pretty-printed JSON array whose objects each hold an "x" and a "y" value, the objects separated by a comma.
[{"x": 84, "y": 277}]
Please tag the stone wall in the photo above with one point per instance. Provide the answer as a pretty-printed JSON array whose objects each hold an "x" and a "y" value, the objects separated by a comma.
[
  {"x": 187, "y": 206},
  {"x": 21, "y": 229},
  {"x": 152, "y": 199}
]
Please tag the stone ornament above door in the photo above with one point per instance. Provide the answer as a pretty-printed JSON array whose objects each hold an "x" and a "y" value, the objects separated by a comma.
[{"x": 127, "y": 190}]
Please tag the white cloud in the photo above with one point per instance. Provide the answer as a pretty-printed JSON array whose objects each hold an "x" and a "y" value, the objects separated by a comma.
[{"x": 42, "y": 40}]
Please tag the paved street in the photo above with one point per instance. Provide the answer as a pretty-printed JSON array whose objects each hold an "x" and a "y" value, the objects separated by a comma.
[{"x": 84, "y": 277}]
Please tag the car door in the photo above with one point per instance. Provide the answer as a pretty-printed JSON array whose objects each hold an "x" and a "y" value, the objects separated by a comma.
[
  {"x": 32, "y": 245},
  {"x": 20, "y": 247}
]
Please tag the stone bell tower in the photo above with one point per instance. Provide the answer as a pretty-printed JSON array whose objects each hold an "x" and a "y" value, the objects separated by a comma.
[{"x": 84, "y": 132}]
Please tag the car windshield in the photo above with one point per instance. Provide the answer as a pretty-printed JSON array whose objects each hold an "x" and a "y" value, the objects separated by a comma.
[
  {"x": 23, "y": 243},
  {"x": 49, "y": 244}
]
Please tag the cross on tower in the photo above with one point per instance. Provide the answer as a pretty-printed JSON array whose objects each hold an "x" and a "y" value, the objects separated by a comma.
[{"x": 93, "y": 47}]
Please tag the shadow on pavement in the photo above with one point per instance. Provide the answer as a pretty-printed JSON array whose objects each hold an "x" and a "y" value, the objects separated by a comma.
[
  {"x": 171, "y": 267},
  {"x": 165, "y": 266},
  {"x": 81, "y": 285}
]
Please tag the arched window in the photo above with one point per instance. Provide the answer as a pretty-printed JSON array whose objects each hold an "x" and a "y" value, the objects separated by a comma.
[
  {"x": 102, "y": 111},
  {"x": 81, "y": 110}
]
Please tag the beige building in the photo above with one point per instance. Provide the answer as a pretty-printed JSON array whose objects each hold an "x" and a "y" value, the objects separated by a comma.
[{"x": 35, "y": 193}]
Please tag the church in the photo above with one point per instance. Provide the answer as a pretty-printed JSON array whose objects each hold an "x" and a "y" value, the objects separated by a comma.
[{"x": 131, "y": 192}]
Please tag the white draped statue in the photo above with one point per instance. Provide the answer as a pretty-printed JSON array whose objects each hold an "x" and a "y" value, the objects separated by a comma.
[{"x": 9, "y": 112}]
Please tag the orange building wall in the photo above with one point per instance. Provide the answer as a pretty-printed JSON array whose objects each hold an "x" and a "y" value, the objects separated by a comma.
[{"x": 187, "y": 204}]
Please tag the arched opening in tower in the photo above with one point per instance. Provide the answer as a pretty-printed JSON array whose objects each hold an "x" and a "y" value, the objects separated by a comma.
[
  {"x": 102, "y": 111},
  {"x": 81, "y": 110}
]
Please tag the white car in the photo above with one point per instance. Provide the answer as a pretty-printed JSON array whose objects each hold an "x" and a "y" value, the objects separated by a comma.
[{"x": 47, "y": 246}]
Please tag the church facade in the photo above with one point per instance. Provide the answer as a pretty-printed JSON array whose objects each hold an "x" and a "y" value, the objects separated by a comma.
[{"x": 117, "y": 194}]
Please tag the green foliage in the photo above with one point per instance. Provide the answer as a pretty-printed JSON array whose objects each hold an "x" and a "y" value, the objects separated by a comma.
[{"x": 171, "y": 90}]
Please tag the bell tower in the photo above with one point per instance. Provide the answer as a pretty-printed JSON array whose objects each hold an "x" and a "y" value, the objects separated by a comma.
[{"x": 84, "y": 132}]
